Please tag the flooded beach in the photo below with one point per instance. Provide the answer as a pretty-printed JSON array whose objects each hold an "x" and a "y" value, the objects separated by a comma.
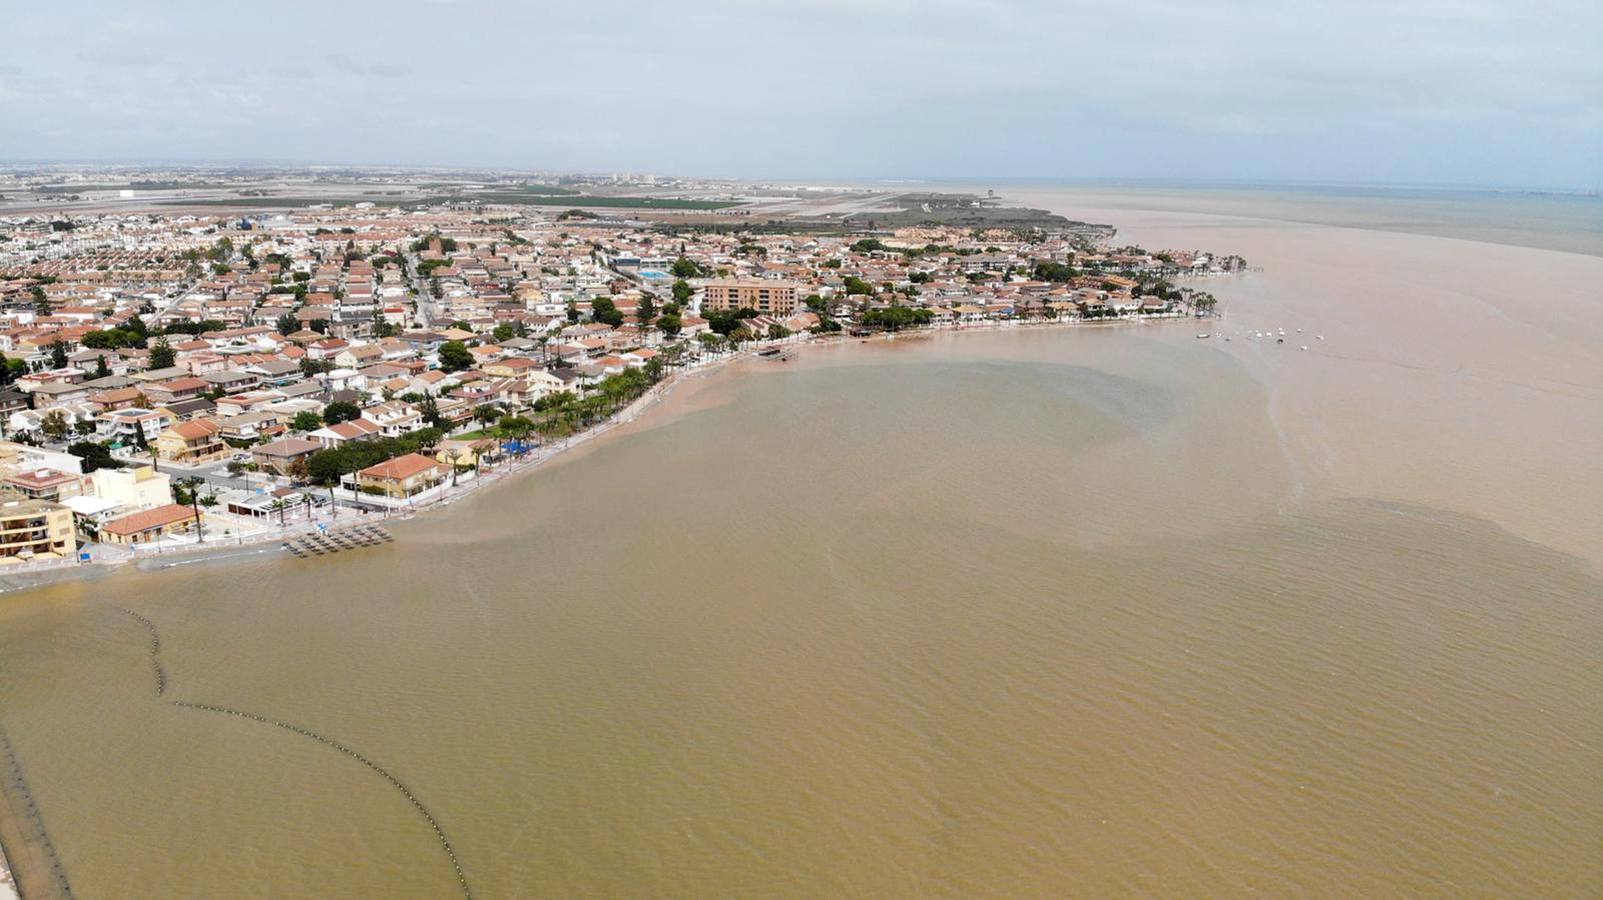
[{"x": 1075, "y": 611}]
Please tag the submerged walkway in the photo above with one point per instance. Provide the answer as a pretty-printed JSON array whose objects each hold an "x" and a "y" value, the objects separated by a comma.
[{"x": 322, "y": 543}]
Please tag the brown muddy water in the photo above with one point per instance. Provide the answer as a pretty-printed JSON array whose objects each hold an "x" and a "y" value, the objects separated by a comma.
[{"x": 1073, "y": 612}]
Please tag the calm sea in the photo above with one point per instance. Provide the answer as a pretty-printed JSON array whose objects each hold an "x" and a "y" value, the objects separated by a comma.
[{"x": 1549, "y": 220}]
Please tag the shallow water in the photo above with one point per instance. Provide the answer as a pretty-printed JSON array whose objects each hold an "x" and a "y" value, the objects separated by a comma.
[
  {"x": 991, "y": 614},
  {"x": 1082, "y": 612}
]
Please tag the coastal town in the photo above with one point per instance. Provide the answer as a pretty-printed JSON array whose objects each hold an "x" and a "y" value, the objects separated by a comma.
[{"x": 216, "y": 370}]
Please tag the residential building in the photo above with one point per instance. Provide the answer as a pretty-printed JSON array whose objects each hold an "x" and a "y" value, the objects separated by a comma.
[
  {"x": 31, "y": 529},
  {"x": 141, "y": 487},
  {"x": 46, "y": 484},
  {"x": 764, "y": 296},
  {"x": 195, "y": 441},
  {"x": 150, "y": 525},
  {"x": 401, "y": 477},
  {"x": 281, "y": 455}
]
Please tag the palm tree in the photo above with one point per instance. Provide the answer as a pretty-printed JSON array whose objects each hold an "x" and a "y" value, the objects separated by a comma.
[
  {"x": 278, "y": 506},
  {"x": 193, "y": 484},
  {"x": 454, "y": 454}
]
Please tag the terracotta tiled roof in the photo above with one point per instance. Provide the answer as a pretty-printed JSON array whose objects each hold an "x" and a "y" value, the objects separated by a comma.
[
  {"x": 195, "y": 429},
  {"x": 159, "y": 517},
  {"x": 400, "y": 468}
]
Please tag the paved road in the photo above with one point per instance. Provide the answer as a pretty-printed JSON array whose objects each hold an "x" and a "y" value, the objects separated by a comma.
[{"x": 426, "y": 310}]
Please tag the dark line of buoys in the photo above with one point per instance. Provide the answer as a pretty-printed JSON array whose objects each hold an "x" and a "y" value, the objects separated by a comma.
[
  {"x": 155, "y": 648},
  {"x": 161, "y": 687},
  {"x": 439, "y": 833},
  {"x": 19, "y": 784}
]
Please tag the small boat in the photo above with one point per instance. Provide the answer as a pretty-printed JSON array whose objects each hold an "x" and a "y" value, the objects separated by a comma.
[
  {"x": 1320, "y": 336},
  {"x": 1280, "y": 340},
  {"x": 1305, "y": 346},
  {"x": 1205, "y": 335}
]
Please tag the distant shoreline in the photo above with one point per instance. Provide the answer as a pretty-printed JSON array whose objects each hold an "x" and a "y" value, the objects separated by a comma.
[{"x": 1552, "y": 221}]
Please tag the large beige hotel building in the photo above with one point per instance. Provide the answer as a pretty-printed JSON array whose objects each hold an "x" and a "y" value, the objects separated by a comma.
[
  {"x": 32, "y": 529},
  {"x": 769, "y": 297}
]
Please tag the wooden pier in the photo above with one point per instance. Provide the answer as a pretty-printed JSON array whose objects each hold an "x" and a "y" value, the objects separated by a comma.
[{"x": 324, "y": 543}]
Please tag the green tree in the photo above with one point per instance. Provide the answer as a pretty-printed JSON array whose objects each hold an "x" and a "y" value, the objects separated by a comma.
[
  {"x": 95, "y": 456},
  {"x": 671, "y": 324},
  {"x": 895, "y": 318},
  {"x": 515, "y": 428},
  {"x": 455, "y": 357},
  {"x": 305, "y": 421},
  {"x": 55, "y": 425},
  {"x": 647, "y": 310},
  {"x": 1052, "y": 271},
  {"x": 58, "y": 354},
  {"x": 287, "y": 324},
  {"x": 109, "y": 339},
  {"x": 682, "y": 291},
  {"x": 855, "y": 285},
  {"x": 341, "y": 411},
  {"x": 162, "y": 355},
  {"x": 602, "y": 309},
  {"x": 686, "y": 268},
  {"x": 503, "y": 332},
  {"x": 430, "y": 411},
  {"x": 12, "y": 370}
]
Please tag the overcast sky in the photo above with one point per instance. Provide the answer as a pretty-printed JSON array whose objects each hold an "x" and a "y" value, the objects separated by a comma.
[{"x": 1413, "y": 91}]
